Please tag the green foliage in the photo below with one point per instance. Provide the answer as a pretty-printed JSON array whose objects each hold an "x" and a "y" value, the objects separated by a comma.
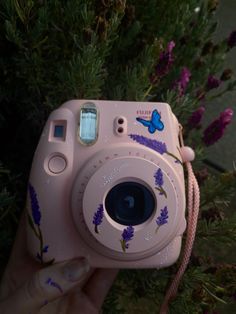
[
  {"x": 53, "y": 51},
  {"x": 8, "y": 214}
]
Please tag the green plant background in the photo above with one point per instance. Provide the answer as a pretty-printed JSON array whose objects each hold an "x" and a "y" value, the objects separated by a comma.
[{"x": 53, "y": 51}]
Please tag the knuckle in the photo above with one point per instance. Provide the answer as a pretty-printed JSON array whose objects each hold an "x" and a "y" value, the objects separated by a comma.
[{"x": 34, "y": 288}]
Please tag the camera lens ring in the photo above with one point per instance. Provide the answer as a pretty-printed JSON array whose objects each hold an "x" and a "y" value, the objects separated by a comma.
[{"x": 124, "y": 163}]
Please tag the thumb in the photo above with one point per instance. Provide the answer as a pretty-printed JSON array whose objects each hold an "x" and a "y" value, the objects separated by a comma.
[{"x": 46, "y": 285}]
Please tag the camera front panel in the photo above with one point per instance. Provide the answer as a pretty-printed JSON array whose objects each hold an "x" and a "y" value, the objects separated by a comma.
[{"x": 130, "y": 148}]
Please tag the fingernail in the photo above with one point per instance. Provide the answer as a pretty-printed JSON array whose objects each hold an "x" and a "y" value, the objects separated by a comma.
[{"x": 75, "y": 270}]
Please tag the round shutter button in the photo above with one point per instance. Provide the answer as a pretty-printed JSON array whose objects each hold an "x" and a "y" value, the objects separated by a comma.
[{"x": 57, "y": 164}]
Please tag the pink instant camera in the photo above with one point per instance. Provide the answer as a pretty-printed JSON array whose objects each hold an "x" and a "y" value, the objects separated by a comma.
[{"x": 107, "y": 183}]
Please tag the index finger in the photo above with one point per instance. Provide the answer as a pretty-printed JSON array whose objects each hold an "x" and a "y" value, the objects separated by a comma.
[{"x": 20, "y": 265}]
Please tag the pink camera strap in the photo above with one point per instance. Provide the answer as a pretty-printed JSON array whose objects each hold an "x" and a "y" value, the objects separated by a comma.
[{"x": 193, "y": 210}]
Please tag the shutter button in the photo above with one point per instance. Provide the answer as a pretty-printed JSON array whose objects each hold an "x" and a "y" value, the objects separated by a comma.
[{"x": 57, "y": 164}]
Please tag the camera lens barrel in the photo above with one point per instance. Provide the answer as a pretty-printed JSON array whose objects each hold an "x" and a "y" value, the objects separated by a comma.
[{"x": 130, "y": 203}]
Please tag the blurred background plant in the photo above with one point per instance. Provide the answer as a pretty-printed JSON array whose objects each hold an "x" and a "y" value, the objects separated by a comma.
[{"x": 150, "y": 50}]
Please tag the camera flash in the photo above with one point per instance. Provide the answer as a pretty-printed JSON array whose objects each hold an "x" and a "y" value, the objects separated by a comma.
[{"x": 88, "y": 124}]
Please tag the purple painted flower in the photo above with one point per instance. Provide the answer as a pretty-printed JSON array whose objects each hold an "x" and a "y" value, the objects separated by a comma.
[
  {"x": 97, "y": 217},
  {"x": 159, "y": 177},
  {"x": 162, "y": 219},
  {"x": 181, "y": 84},
  {"x": 232, "y": 40},
  {"x": 196, "y": 117},
  {"x": 40, "y": 256},
  {"x": 159, "y": 182},
  {"x": 212, "y": 82},
  {"x": 52, "y": 283},
  {"x": 158, "y": 146},
  {"x": 45, "y": 249},
  {"x": 34, "y": 205},
  {"x": 217, "y": 128},
  {"x": 127, "y": 235}
]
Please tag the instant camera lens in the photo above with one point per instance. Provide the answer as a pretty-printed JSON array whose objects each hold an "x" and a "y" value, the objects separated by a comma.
[{"x": 130, "y": 203}]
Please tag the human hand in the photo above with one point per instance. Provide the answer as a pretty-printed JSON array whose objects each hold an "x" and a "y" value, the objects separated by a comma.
[{"x": 64, "y": 288}]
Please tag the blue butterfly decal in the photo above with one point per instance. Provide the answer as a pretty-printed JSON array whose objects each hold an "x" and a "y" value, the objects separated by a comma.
[{"x": 154, "y": 124}]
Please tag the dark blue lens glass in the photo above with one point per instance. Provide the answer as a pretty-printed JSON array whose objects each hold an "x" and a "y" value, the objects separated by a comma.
[{"x": 130, "y": 203}]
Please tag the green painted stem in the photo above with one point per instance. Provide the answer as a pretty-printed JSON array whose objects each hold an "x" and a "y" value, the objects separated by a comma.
[{"x": 175, "y": 157}]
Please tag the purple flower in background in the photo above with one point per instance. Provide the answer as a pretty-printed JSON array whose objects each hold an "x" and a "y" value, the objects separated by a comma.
[
  {"x": 213, "y": 82},
  {"x": 158, "y": 146},
  {"x": 162, "y": 219},
  {"x": 232, "y": 39},
  {"x": 165, "y": 61},
  {"x": 97, "y": 217},
  {"x": 196, "y": 117},
  {"x": 226, "y": 75},
  {"x": 159, "y": 182},
  {"x": 182, "y": 82},
  {"x": 127, "y": 235},
  {"x": 217, "y": 128},
  {"x": 34, "y": 205}
]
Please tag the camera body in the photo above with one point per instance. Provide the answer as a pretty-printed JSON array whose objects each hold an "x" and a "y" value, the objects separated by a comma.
[{"x": 107, "y": 183}]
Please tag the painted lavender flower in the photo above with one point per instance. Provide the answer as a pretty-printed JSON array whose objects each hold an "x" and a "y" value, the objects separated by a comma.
[
  {"x": 159, "y": 182},
  {"x": 127, "y": 236},
  {"x": 158, "y": 146},
  {"x": 34, "y": 205},
  {"x": 162, "y": 219},
  {"x": 196, "y": 118},
  {"x": 54, "y": 284},
  {"x": 217, "y": 128},
  {"x": 181, "y": 84},
  {"x": 97, "y": 217},
  {"x": 212, "y": 82},
  {"x": 40, "y": 256},
  {"x": 35, "y": 225}
]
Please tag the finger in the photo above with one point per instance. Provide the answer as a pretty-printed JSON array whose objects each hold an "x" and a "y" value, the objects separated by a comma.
[
  {"x": 20, "y": 265},
  {"x": 99, "y": 284},
  {"x": 46, "y": 285}
]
